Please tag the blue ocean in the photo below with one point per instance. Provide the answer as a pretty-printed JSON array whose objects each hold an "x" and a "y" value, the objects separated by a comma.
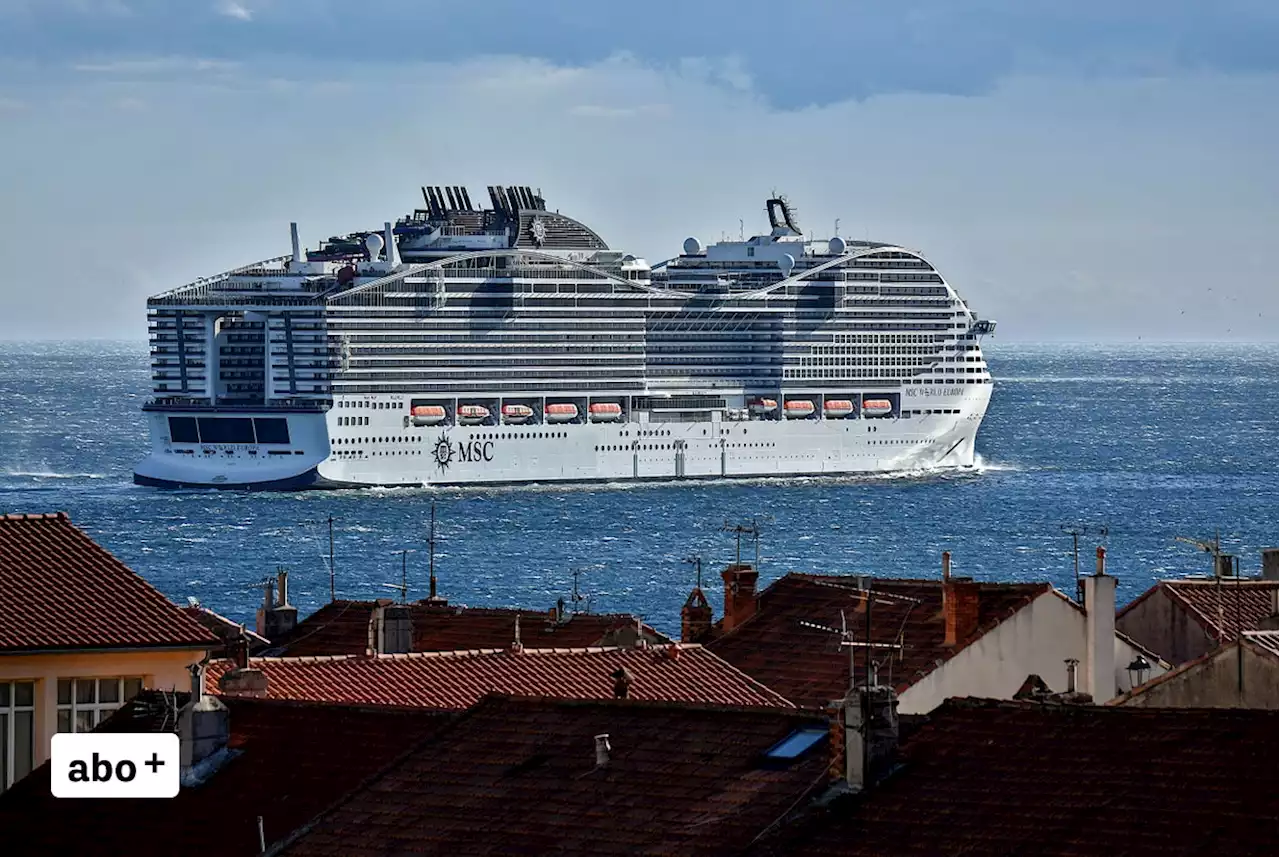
[{"x": 1151, "y": 442}]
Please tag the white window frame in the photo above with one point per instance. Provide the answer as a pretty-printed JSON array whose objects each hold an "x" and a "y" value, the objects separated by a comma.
[
  {"x": 10, "y": 711},
  {"x": 101, "y": 710}
]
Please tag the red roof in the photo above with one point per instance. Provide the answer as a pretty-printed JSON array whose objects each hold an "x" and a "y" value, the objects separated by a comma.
[
  {"x": 61, "y": 590},
  {"x": 342, "y": 628},
  {"x": 1223, "y": 608},
  {"x": 807, "y": 665},
  {"x": 996, "y": 778},
  {"x": 519, "y": 776},
  {"x": 294, "y": 760},
  {"x": 457, "y": 680}
]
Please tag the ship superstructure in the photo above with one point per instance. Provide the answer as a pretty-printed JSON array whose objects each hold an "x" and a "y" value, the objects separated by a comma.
[{"x": 510, "y": 344}]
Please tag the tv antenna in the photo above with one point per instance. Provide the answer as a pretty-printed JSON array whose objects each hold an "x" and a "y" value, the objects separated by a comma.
[
  {"x": 696, "y": 562},
  {"x": 577, "y": 597},
  {"x": 1224, "y": 565},
  {"x": 848, "y": 640},
  {"x": 332, "y": 572},
  {"x": 431, "y": 554},
  {"x": 403, "y": 586},
  {"x": 1076, "y": 531},
  {"x": 740, "y": 530}
]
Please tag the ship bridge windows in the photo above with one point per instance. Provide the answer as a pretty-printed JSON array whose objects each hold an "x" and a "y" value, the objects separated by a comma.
[{"x": 265, "y": 430}]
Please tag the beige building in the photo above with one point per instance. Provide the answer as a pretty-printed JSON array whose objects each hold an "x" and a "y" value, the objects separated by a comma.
[
  {"x": 1244, "y": 673},
  {"x": 79, "y": 635},
  {"x": 1180, "y": 620}
]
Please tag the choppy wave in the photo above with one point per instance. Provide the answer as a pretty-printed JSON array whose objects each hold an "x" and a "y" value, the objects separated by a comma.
[{"x": 50, "y": 474}]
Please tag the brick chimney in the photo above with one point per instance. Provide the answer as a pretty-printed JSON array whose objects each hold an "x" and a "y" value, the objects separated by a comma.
[
  {"x": 959, "y": 607},
  {"x": 695, "y": 617},
  {"x": 867, "y": 730},
  {"x": 277, "y": 617},
  {"x": 242, "y": 679},
  {"x": 739, "y": 594},
  {"x": 1100, "y": 632}
]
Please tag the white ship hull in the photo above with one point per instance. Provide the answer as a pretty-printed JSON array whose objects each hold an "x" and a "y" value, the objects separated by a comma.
[{"x": 386, "y": 452}]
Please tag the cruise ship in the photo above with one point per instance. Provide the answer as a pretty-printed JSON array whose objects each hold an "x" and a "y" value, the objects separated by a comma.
[{"x": 509, "y": 344}]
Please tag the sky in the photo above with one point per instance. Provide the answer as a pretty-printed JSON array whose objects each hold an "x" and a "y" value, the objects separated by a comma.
[{"x": 1081, "y": 171}]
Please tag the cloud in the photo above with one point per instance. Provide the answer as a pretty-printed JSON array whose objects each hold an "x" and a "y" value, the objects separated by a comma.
[
  {"x": 1064, "y": 208},
  {"x": 812, "y": 52},
  {"x": 154, "y": 65},
  {"x": 232, "y": 9}
]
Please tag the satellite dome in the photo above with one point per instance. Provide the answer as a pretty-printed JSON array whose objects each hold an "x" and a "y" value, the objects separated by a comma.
[
  {"x": 837, "y": 246},
  {"x": 692, "y": 246},
  {"x": 373, "y": 243},
  {"x": 786, "y": 263}
]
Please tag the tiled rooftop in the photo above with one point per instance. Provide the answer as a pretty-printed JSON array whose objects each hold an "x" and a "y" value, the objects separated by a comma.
[
  {"x": 1223, "y": 608},
  {"x": 457, "y": 680},
  {"x": 61, "y": 590},
  {"x": 997, "y": 778},
  {"x": 342, "y": 628},
  {"x": 224, "y": 629},
  {"x": 295, "y": 760},
  {"x": 1266, "y": 640},
  {"x": 807, "y": 665},
  {"x": 519, "y": 776}
]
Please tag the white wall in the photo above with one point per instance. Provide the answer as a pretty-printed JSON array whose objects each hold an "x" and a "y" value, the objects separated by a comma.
[{"x": 1037, "y": 639}]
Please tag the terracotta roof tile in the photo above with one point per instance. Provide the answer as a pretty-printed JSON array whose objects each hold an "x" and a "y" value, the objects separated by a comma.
[
  {"x": 519, "y": 776},
  {"x": 995, "y": 778},
  {"x": 1227, "y": 608},
  {"x": 808, "y": 666},
  {"x": 61, "y": 590},
  {"x": 295, "y": 760},
  {"x": 342, "y": 628},
  {"x": 457, "y": 680}
]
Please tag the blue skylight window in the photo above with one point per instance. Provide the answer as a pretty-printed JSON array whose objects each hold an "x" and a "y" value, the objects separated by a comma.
[{"x": 796, "y": 744}]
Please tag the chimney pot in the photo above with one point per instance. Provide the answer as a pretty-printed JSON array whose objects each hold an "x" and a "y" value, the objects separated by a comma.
[
  {"x": 946, "y": 566},
  {"x": 1102, "y": 560},
  {"x": 603, "y": 749},
  {"x": 1071, "y": 663},
  {"x": 282, "y": 588}
]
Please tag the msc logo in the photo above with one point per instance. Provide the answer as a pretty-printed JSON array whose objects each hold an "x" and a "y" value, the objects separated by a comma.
[{"x": 470, "y": 451}]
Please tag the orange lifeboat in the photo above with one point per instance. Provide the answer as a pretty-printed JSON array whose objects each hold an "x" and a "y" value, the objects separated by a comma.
[
  {"x": 561, "y": 412},
  {"x": 427, "y": 415},
  {"x": 469, "y": 415},
  {"x": 763, "y": 406},
  {"x": 837, "y": 408},
  {"x": 797, "y": 408},
  {"x": 605, "y": 412},
  {"x": 877, "y": 407},
  {"x": 516, "y": 413}
]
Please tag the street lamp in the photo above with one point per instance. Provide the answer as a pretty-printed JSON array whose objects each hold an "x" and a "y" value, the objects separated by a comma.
[{"x": 1138, "y": 670}]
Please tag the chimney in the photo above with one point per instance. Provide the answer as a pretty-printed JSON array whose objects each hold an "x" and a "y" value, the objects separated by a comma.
[
  {"x": 695, "y": 617},
  {"x": 946, "y": 566},
  {"x": 277, "y": 617},
  {"x": 204, "y": 725},
  {"x": 238, "y": 649},
  {"x": 393, "y": 629},
  {"x": 1271, "y": 563},
  {"x": 739, "y": 594},
  {"x": 959, "y": 606},
  {"x": 602, "y": 751},
  {"x": 516, "y": 646},
  {"x": 1100, "y": 632},
  {"x": 870, "y": 735},
  {"x": 1071, "y": 663},
  {"x": 621, "y": 683}
]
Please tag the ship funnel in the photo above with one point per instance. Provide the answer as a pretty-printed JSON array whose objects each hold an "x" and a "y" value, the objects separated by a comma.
[
  {"x": 297, "y": 248},
  {"x": 389, "y": 241}
]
